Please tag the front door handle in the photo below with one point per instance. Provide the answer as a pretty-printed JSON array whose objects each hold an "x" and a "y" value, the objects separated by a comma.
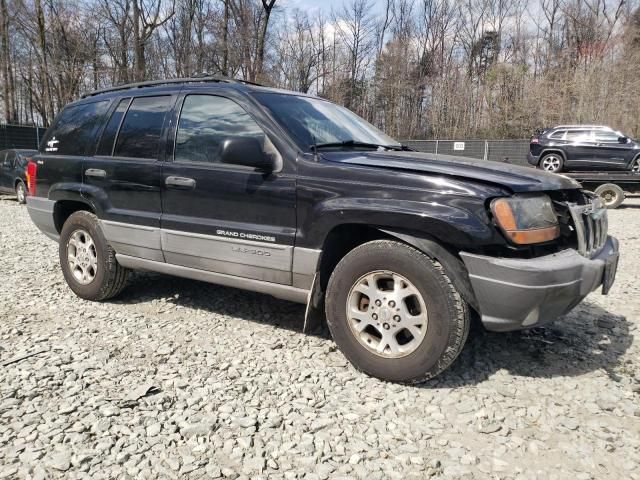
[
  {"x": 180, "y": 183},
  {"x": 95, "y": 172}
]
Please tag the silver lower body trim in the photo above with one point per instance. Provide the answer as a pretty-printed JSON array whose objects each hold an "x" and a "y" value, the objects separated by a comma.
[
  {"x": 134, "y": 240},
  {"x": 41, "y": 213},
  {"x": 285, "y": 292}
]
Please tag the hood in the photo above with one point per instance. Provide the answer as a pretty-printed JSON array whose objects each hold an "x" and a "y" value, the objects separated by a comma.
[{"x": 513, "y": 177}]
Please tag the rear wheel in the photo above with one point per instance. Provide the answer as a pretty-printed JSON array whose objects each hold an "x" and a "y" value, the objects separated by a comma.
[
  {"x": 551, "y": 162},
  {"x": 394, "y": 313},
  {"x": 21, "y": 192},
  {"x": 611, "y": 194},
  {"x": 88, "y": 262}
]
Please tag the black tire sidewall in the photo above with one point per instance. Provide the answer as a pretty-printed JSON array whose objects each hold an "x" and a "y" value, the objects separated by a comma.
[
  {"x": 86, "y": 221},
  {"x": 436, "y": 292}
]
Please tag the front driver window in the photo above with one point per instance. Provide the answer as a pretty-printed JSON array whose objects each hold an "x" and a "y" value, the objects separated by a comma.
[{"x": 206, "y": 121}]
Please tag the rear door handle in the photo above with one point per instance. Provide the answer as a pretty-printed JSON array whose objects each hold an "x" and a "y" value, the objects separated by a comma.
[
  {"x": 95, "y": 172},
  {"x": 180, "y": 183}
]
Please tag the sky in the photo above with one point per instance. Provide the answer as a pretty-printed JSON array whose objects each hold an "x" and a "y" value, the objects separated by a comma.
[{"x": 315, "y": 5}]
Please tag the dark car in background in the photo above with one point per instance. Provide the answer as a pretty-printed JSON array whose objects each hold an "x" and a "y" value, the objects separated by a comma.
[
  {"x": 583, "y": 147},
  {"x": 13, "y": 172}
]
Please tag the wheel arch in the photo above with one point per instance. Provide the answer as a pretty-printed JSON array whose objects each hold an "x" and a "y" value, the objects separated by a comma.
[
  {"x": 344, "y": 238},
  {"x": 547, "y": 151},
  {"x": 63, "y": 209}
]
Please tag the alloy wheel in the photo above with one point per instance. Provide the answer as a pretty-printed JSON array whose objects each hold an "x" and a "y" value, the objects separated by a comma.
[
  {"x": 82, "y": 257},
  {"x": 551, "y": 163},
  {"x": 387, "y": 314}
]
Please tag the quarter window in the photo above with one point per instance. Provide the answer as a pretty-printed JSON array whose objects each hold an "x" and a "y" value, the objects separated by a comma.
[
  {"x": 558, "y": 135},
  {"x": 111, "y": 130},
  {"x": 206, "y": 121},
  {"x": 73, "y": 130},
  {"x": 139, "y": 136}
]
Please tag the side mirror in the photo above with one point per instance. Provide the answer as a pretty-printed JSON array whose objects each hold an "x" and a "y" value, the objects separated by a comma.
[
  {"x": 246, "y": 151},
  {"x": 623, "y": 139}
]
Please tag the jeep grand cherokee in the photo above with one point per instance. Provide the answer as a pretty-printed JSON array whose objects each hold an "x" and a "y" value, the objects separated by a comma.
[{"x": 294, "y": 196}]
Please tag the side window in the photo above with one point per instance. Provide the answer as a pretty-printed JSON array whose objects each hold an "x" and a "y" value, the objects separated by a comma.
[
  {"x": 606, "y": 137},
  {"x": 3, "y": 158},
  {"x": 206, "y": 121},
  {"x": 558, "y": 135},
  {"x": 141, "y": 129},
  {"x": 111, "y": 130},
  {"x": 578, "y": 135},
  {"x": 10, "y": 160},
  {"x": 73, "y": 129}
]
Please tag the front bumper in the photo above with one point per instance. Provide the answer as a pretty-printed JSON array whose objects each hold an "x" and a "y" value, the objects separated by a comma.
[{"x": 514, "y": 294}]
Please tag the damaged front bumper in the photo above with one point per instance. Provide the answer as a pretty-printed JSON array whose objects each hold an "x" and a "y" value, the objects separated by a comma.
[{"x": 514, "y": 294}]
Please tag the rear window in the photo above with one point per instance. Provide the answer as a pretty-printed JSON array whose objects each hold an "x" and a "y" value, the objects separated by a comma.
[
  {"x": 141, "y": 129},
  {"x": 73, "y": 130}
]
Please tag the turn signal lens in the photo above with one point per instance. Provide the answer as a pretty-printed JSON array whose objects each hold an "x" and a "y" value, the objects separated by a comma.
[{"x": 526, "y": 219}]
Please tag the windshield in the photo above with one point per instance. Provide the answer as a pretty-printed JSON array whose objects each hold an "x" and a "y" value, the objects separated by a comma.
[{"x": 312, "y": 121}]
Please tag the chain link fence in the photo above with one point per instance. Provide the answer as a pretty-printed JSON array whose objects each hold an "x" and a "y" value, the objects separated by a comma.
[
  {"x": 20, "y": 136},
  {"x": 509, "y": 151}
]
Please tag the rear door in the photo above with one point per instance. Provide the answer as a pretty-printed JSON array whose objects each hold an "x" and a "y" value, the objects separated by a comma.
[
  {"x": 123, "y": 178},
  {"x": 5, "y": 170},
  {"x": 609, "y": 153},
  {"x": 225, "y": 218},
  {"x": 578, "y": 147}
]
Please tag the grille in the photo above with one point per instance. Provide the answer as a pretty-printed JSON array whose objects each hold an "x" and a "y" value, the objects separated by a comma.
[{"x": 591, "y": 224}]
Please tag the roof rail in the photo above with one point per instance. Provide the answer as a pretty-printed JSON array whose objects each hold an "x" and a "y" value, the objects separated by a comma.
[
  {"x": 604, "y": 127},
  {"x": 169, "y": 81}
]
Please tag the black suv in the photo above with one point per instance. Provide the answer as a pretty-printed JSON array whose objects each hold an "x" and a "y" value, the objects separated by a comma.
[
  {"x": 13, "y": 172},
  {"x": 583, "y": 147},
  {"x": 293, "y": 196}
]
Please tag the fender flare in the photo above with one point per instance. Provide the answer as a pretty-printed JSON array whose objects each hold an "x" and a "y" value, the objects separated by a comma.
[{"x": 452, "y": 265}]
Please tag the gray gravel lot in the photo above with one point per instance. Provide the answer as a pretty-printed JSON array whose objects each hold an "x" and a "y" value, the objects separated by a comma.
[{"x": 180, "y": 378}]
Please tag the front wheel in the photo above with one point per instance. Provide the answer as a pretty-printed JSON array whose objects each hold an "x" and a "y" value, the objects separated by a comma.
[
  {"x": 394, "y": 312},
  {"x": 88, "y": 262},
  {"x": 21, "y": 193},
  {"x": 552, "y": 162},
  {"x": 635, "y": 167}
]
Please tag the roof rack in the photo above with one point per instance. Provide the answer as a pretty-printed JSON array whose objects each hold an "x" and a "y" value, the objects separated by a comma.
[{"x": 169, "y": 81}]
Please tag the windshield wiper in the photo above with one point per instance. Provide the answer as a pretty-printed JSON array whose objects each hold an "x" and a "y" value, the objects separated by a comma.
[{"x": 353, "y": 143}]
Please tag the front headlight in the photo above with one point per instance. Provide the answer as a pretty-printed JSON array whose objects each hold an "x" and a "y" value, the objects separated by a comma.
[{"x": 527, "y": 218}]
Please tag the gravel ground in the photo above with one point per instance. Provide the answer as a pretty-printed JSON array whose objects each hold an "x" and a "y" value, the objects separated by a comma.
[{"x": 180, "y": 378}]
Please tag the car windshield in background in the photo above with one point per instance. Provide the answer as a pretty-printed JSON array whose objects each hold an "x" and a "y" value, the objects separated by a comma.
[{"x": 313, "y": 122}]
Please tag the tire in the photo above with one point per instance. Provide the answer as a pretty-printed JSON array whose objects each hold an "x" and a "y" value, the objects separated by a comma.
[
  {"x": 551, "y": 162},
  {"x": 635, "y": 165},
  {"x": 96, "y": 274},
  {"x": 21, "y": 192},
  {"x": 611, "y": 194},
  {"x": 443, "y": 334}
]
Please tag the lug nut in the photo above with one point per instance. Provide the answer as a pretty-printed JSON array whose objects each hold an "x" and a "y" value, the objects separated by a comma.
[
  {"x": 392, "y": 304},
  {"x": 375, "y": 316},
  {"x": 386, "y": 326},
  {"x": 378, "y": 302},
  {"x": 396, "y": 318}
]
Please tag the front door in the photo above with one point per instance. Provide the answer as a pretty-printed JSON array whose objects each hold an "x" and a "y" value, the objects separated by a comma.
[
  {"x": 123, "y": 178},
  {"x": 609, "y": 153},
  {"x": 225, "y": 218}
]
